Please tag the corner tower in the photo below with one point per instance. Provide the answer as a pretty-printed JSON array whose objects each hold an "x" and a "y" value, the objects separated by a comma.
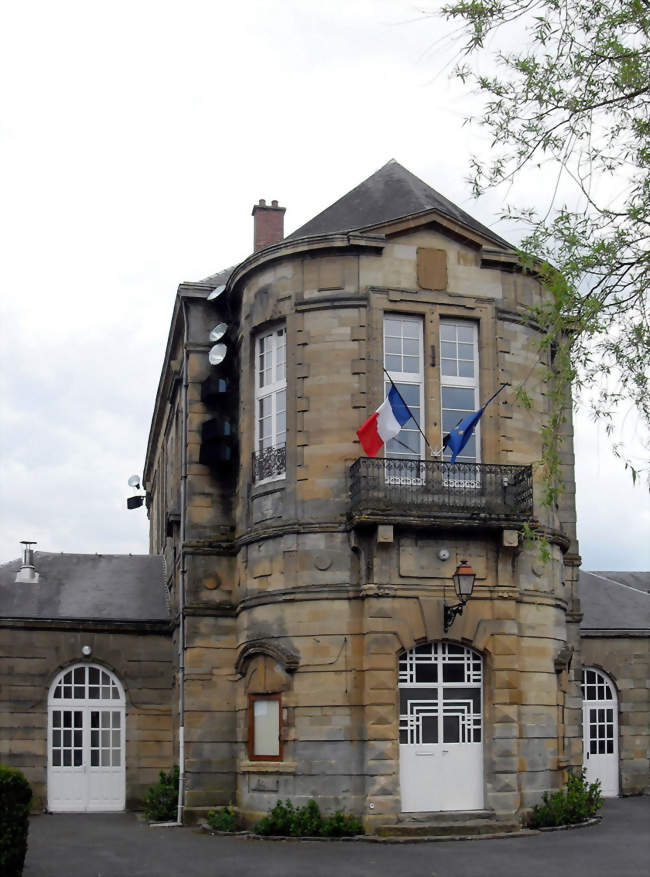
[{"x": 315, "y": 660}]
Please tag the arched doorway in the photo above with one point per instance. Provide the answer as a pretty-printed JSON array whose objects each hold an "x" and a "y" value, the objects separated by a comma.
[
  {"x": 600, "y": 730},
  {"x": 85, "y": 741},
  {"x": 440, "y": 728}
]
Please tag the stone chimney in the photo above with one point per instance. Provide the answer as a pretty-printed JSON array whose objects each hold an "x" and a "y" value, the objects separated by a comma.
[
  {"x": 27, "y": 572},
  {"x": 268, "y": 224}
]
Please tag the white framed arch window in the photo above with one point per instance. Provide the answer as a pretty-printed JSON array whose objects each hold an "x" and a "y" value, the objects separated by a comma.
[
  {"x": 86, "y": 740},
  {"x": 600, "y": 730}
]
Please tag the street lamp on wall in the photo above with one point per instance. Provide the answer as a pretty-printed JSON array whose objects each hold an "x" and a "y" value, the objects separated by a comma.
[{"x": 463, "y": 585}]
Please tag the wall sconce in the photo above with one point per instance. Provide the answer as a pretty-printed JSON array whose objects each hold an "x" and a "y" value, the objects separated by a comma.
[{"x": 463, "y": 585}]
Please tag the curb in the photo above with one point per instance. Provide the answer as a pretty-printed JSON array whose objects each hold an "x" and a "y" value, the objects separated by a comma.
[{"x": 393, "y": 839}]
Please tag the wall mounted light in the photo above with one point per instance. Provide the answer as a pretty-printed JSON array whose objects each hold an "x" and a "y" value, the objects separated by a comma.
[{"x": 463, "y": 585}]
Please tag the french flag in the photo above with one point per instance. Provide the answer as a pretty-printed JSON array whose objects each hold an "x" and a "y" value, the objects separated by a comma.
[{"x": 384, "y": 424}]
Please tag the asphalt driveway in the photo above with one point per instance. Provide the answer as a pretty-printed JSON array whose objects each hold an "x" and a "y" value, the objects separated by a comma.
[{"x": 120, "y": 845}]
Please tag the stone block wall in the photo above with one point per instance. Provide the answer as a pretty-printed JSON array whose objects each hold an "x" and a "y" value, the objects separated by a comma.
[
  {"x": 31, "y": 657},
  {"x": 626, "y": 660}
]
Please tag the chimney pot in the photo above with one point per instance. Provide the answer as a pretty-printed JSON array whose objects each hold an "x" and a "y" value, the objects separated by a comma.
[
  {"x": 27, "y": 572},
  {"x": 268, "y": 224}
]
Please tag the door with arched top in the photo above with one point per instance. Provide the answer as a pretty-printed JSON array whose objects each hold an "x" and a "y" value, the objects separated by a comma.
[
  {"x": 600, "y": 730},
  {"x": 85, "y": 741},
  {"x": 440, "y": 728}
]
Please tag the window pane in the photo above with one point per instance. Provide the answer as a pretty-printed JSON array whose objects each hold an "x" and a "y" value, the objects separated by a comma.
[
  {"x": 411, "y": 328},
  {"x": 412, "y": 346},
  {"x": 465, "y": 369},
  {"x": 266, "y": 727},
  {"x": 393, "y": 363},
  {"x": 458, "y": 398},
  {"x": 411, "y": 364},
  {"x": 465, "y": 332},
  {"x": 448, "y": 349}
]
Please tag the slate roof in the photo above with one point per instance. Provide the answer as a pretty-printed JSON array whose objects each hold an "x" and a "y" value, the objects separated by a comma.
[
  {"x": 220, "y": 277},
  {"x": 610, "y": 603},
  {"x": 390, "y": 193},
  {"x": 102, "y": 587}
]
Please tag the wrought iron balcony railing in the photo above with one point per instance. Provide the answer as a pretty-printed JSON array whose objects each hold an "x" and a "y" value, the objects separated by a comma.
[
  {"x": 269, "y": 463},
  {"x": 418, "y": 488}
]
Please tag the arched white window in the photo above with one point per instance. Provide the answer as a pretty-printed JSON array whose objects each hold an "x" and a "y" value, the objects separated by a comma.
[
  {"x": 86, "y": 725},
  {"x": 600, "y": 730}
]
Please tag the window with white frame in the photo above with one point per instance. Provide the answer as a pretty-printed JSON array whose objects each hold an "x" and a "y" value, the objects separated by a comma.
[
  {"x": 403, "y": 360},
  {"x": 459, "y": 381},
  {"x": 270, "y": 404}
]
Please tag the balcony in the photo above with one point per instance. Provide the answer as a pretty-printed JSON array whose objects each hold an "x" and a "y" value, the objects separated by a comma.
[{"x": 424, "y": 492}]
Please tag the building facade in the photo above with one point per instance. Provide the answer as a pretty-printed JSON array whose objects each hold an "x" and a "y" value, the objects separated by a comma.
[
  {"x": 290, "y": 634},
  {"x": 311, "y": 579},
  {"x": 86, "y": 676}
]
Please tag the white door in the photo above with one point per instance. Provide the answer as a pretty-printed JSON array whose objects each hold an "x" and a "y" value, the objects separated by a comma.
[
  {"x": 85, "y": 741},
  {"x": 600, "y": 730},
  {"x": 440, "y": 728}
]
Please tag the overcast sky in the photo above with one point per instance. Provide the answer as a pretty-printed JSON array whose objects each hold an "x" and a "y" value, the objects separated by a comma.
[{"x": 135, "y": 138}]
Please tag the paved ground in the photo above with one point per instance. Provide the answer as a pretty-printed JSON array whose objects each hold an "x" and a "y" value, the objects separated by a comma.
[{"x": 119, "y": 845}]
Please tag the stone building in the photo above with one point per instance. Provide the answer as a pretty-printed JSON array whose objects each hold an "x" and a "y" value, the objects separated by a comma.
[
  {"x": 306, "y": 651},
  {"x": 310, "y": 580},
  {"x": 86, "y": 677},
  {"x": 615, "y": 648}
]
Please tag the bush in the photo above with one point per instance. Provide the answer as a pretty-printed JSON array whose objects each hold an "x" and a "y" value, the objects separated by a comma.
[
  {"x": 580, "y": 801},
  {"x": 289, "y": 821},
  {"x": 15, "y": 798},
  {"x": 224, "y": 819},
  {"x": 341, "y": 825},
  {"x": 161, "y": 800}
]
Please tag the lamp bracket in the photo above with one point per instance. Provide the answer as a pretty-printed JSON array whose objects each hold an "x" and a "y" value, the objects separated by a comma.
[{"x": 450, "y": 613}]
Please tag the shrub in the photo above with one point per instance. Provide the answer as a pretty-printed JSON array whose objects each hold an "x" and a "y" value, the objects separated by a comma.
[
  {"x": 289, "y": 821},
  {"x": 161, "y": 800},
  {"x": 15, "y": 798},
  {"x": 578, "y": 802},
  {"x": 341, "y": 825},
  {"x": 224, "y": 819}
]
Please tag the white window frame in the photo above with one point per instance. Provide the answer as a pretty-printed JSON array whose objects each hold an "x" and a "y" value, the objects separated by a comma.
[
  {"x": 453, "y": 381},
  {"x": 411, "y": 379},
  {"x": 273, "y": 390}
]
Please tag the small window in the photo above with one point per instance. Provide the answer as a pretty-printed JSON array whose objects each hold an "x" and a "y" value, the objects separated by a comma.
[{"x": 264, "y": 728}]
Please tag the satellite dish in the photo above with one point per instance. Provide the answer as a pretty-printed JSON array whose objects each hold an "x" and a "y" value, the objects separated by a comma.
[
  {"x": 134, "y": 481},
  {"x": 216, "y": 292},
  {"x": 218, "y": 332},
  {"x": 217, "y": 354}
]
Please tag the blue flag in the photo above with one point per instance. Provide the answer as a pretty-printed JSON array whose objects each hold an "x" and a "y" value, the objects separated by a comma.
[{"x": 462, "y": 433}]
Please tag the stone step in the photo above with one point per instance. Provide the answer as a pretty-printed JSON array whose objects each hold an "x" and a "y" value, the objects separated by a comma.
[{"x": 453, "y": 824}]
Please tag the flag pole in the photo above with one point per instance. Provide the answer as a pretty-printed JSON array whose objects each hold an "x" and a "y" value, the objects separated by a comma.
[
  {"x": 426, "y": 441},
  {"x": 493, "y": 396}
]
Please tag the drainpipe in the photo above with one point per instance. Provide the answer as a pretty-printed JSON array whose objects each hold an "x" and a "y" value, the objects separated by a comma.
[{"x": 181, "y": 590}]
